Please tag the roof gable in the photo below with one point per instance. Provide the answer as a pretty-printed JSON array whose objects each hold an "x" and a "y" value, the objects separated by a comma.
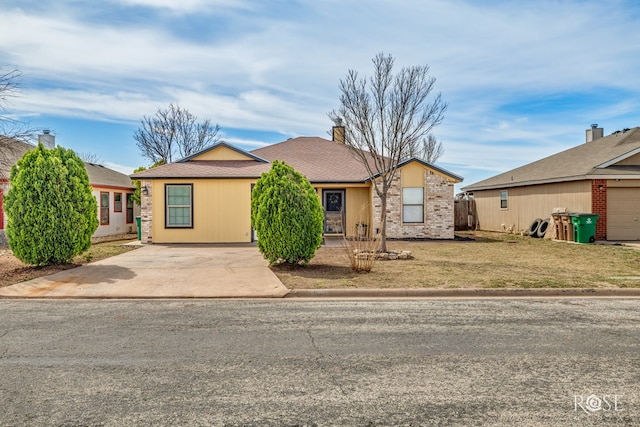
[
  {"x": 629, "y": 158},
  {"x": 433, "y": 168},
  {"x": 222, "y": 151}
]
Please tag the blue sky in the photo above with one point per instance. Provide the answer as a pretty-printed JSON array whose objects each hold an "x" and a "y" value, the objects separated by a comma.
[{"x": 523, "y": 79}]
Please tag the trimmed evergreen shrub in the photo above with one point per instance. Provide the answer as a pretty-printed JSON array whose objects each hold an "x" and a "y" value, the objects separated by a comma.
[
  {"x": 51, "y": 211},
  {"x": 287, "y": 215}
]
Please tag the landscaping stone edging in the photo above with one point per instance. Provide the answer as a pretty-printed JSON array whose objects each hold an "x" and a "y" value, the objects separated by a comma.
[{"x": 462, "y": 293}]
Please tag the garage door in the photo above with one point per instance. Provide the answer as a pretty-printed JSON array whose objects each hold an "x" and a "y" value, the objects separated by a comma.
[{"x": 623, "y": 214}]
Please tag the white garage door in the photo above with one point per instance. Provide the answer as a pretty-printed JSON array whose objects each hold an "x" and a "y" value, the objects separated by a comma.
[{"x": 623, "y": 214}]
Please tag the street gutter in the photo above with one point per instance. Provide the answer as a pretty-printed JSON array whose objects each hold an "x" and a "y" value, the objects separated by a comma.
[{"x": 463, "y": 293}]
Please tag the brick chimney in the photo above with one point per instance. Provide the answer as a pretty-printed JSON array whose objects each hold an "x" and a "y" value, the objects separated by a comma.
[
  {"x": 594, "y": 133},
  {"x": 337, "y": 132},
  {"x": 46, "y": 139}
]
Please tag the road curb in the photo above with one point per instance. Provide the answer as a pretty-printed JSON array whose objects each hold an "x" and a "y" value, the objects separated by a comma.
[{"x": 461, "y": 293}]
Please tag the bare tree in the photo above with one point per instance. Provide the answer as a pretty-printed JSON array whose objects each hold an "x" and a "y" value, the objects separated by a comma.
[
  {"x": 385, "y": 116},
  {"x": 428, "y": 149},
  {"x": 92, "y": 158},
  {"x": 174, "y": 132},
  {"x": 11, "y": 130}
]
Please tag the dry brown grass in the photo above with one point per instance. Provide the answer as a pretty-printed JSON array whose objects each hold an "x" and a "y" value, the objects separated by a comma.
[
  {"x": 13, "y": 271},
  {"x": 490, "y": 260}
]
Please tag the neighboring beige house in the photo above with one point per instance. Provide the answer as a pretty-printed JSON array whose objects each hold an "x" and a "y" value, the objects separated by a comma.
[
  {"x": 601, "y": 176},
  {"x": 113, "y": 191},
  {"x": 206, "y": 198}
]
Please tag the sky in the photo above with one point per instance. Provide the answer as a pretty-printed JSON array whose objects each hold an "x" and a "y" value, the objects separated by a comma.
[{"x": 522, "y": 79}]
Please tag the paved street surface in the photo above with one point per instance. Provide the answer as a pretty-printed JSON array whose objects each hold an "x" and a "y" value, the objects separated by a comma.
[{"x": 503, "y": 362}]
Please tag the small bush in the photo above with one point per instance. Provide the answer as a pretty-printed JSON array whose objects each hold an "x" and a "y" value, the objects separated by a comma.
[
  {"x": 51, "y": 211},
  {"x": 287, "y": 216}
]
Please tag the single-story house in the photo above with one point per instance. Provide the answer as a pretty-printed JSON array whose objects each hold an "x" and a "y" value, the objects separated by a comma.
[
  {"x": 601, "y": 176},
  {"x": 206, "y": 197},
  {"x": 113, "y": 191},
  {"x": 116, "y": 209}
]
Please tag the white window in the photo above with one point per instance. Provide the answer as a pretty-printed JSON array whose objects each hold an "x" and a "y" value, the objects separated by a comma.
[
  {"x": 413, "y": 205},
  {"x": 104, "y": 208},
  {"x": 504, "y": 199},
  {"x": 179, "y": 204}
]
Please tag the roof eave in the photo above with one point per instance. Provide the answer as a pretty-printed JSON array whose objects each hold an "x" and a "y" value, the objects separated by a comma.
[
  {"x": 471, "y": 188},
  {"x": 199, "y": 177}
]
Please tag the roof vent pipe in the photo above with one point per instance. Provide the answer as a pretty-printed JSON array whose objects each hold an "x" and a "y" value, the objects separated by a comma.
[{"x": 594, "y": 133}]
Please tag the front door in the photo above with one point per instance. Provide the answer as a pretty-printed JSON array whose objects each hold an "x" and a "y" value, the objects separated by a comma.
[{"x": 333, "y": 201}]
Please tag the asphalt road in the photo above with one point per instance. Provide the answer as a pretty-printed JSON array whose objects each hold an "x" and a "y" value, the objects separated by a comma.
[{"x": 293, "y": 362}]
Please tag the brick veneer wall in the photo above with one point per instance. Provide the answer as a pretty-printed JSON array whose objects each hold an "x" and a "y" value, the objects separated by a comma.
[
  {"x": 146, "y": 215},
  {"x": 438, "y": 210},
  {"x": 599, "y": 206}
]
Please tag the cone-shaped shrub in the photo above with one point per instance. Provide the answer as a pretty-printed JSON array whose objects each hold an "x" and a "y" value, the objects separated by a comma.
[
  {"x": 51, "y": 211},
  {"x": 287, "y": 216}
]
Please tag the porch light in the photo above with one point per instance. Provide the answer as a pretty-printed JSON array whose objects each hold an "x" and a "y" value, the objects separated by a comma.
[{"x": 145, "y": 190}]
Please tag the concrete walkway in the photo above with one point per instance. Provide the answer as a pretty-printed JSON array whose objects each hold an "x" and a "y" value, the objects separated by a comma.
[{"x": 162, "y": 271}]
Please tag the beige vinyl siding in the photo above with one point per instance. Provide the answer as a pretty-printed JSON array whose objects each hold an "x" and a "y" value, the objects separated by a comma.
[
  {"x": 525, "y": 204},
  {"x": 358, "y": 209},
  {"x": 412, "y": 175},
  {"x": 221, "y": 212},
  {"x": 357, "y": 204},
  {"x": 222, "y": 153}
]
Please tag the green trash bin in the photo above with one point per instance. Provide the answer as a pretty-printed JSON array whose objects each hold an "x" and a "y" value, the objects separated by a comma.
[
  {"x": 584, "y": 227},
  {"x": 139, "y": 227}
]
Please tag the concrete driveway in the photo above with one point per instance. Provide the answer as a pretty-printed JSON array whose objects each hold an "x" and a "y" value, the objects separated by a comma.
[{"x": 162, "y": 271}]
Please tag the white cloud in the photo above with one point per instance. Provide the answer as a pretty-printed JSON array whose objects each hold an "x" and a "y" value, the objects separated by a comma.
[
  {"x": 185, "y": 6},
  {"x": 276, "y": 66}
]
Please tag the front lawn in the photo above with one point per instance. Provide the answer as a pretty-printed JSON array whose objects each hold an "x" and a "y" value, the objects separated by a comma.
[
  {"x": 13, "y": 271},
  {"x": 490, "y": 260}
]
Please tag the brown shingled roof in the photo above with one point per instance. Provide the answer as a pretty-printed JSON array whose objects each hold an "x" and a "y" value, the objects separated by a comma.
[
  {"x": 103, "y": 176},
  {"x": 319, "y": 159},
  {"x": 586, "y": 161},
  {"x": 12, "y": 150}
]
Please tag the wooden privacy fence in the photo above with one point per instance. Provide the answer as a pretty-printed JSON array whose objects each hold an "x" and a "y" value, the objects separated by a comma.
[{"x": 464, "y": 209}]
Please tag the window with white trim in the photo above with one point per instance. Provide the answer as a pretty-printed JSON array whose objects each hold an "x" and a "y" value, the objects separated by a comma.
[
  {"x": 117, "y": 202},
  {"x": 413, "y": 205},
  {"x": 104, "y": 208},
  {"x": 179, "y": 205},
  {"x": 504, "y": 199}
]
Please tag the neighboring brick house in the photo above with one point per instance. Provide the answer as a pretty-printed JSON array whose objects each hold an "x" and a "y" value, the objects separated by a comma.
[
  {"x": 601, "y": 176},
  {"x": 113, "y": 191},
  {"x": 207, "y": 197}
]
